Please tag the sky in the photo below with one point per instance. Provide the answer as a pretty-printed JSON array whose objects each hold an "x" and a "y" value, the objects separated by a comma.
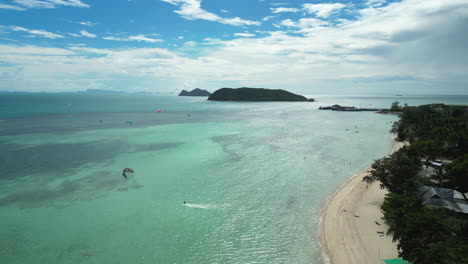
[{"x": 305, "y": 46}]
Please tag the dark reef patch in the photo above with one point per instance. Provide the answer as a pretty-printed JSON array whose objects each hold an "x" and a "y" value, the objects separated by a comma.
[
  {"x": 226, "y": 141},
  {"x": 92, "y": 186},
  {"x": 54, "y": 159}
]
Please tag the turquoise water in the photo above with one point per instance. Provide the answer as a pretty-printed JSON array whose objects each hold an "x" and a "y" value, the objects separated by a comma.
[{"x": 254, "y": 176}]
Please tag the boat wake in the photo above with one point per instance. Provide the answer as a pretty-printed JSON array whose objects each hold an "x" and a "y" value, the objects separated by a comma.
[{"x": 203, "y": 206}]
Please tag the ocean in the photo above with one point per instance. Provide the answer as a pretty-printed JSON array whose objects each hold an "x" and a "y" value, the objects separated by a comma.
[{"x": 213, "y": 182}]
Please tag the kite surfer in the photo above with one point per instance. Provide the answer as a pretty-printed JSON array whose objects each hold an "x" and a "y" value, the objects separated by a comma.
[{"x": 125, "y": 171}]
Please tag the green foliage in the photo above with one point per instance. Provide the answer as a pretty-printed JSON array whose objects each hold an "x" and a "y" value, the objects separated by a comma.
[
  {"x": 398, "y": 172},
  {"x": 446, "y": 124},
  {"x": 396, "y": 107},
  {"x": 395, "y": 207},
  {"x": 425, "y": 235},
  {"x": 254, "y": 94},
  {"x": 430, "y": 149},
  {"x": 195, "y": 92},
  {"x": 457, "y": 173}
]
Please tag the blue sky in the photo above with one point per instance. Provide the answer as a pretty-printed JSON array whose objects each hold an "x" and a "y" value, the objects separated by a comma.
[{"x": 307, "y": 46}]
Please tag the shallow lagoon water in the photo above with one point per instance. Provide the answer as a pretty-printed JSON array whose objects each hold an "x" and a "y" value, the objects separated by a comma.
[{"x": 254, "y": 177}]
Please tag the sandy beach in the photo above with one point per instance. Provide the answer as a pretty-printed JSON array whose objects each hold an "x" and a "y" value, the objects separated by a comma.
[{"x": 349, "y": 232}]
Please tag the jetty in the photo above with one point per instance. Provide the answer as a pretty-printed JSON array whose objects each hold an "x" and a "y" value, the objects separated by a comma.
[{"x": 350, "y": 108}]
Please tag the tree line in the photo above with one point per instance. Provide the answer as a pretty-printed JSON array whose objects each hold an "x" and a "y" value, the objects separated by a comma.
[{"x": 426, "y": 234}]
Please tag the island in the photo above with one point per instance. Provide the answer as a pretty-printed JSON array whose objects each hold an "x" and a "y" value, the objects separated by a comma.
[
  {"x": 195, "y": 92},
  {"x": 100, "y": 91},
  {"x": 256, "y": 94}
]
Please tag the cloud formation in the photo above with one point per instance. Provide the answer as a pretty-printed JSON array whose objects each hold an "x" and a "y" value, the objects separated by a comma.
[
  {"x": 134, "y": 38},
  {"x": 11, "y": 7},
  {"x": 87, "y": 34},
  {"x": 284, "y": 10},
  {"x": 323, "y": 10},
  {"x": 50, "y": 3},
  {"x": 417, "y": 46},
  {"x": 86, "y": 23},
  {"x": 245, "y": 35},
  {"x": 36, "y": 32},
  {"x": 191, "y": 10}
]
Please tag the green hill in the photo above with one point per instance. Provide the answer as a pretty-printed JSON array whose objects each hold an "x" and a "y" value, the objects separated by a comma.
[
  {"x": 255, "y": 94},
  {"x": 195, "y": 92}
]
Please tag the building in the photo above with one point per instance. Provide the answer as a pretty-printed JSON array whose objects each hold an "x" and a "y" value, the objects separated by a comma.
[{"x": 443, "y": 197}]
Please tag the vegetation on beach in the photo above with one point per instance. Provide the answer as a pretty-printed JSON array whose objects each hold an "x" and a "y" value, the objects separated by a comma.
[
  {"x": 423, "y": 234},
  {"x": 426, "y": 234}
]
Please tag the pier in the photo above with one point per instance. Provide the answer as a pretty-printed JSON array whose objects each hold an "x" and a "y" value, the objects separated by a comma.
[{"x": 350, "y": 108}]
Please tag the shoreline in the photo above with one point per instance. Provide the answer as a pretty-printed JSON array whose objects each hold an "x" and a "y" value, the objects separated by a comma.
[{"x": 348, "y": 228}]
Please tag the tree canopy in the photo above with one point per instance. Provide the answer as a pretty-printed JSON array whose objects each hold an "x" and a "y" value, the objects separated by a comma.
[
  {"x": 398, "y": 172},
  {"x": 426, "y": 234}
]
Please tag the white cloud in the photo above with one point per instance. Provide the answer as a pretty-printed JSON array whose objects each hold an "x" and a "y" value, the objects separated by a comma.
[
  {"x": 11, "y": 7},
  {"x": 213, "y": 41},
  {"x": 245, "y": 35},
  {"x": 284, "y": 10},
  {"x": 115, "y": 38},
  {"x": 278, "y": 4},
  {"x": 143, "y": 38},
  {"x": 134, "y": 38},
  {"x": 191, "y": 10},
  {"x": 224, "y": 10},
  {"x": 50, "y": 3},
  {"x": 34, "y": 4},
  {"x": 267, "y": 18},
  {"x": 180, "y": 37},
  {"x": 33, "y": 50},
  {"x": 77, "y": 44},
  {"x": 323, "y": 10},
  {"x": 36, "y": 32},
  {"x": 87, "y": 23},
  {"x": 304, "y": 23},
  {"x": 375, "y": 3},
  {"x": 408, "y": 45},
  {"x": 190, "y": 43},
  {"x": 87, "y": 34}
]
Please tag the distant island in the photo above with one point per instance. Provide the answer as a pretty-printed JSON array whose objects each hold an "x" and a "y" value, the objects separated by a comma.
[
  {"x": 195, "y": 92},
  {"x": 99, "y": 91},
  {"x": 89, "y": 91},
  {"x": 256, "y": 94}
]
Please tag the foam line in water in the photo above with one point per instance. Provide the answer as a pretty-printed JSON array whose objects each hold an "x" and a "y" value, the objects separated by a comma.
[
  {"x": 205, "y": 206},
  {"x": 201, "y": 206}
]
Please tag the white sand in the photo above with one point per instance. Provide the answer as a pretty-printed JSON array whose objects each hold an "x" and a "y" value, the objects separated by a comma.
[{"x": 347, "y": 239}]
